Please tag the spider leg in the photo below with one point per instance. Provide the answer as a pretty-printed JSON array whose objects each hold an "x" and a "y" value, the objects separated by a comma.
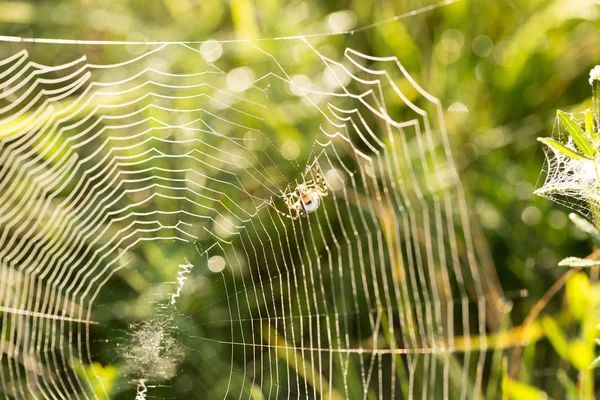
[
  {"x": 325, "y": 188},
  {"x": 290, "y": 216},
  {"x": 287, "y": 196},
  {"x": 286, "y": 193},
  {"x": 290, "y": 203},
  {"x": 299, "y": 212},
  {"x": 321, "y": 185},
  {"x": 310, "y": 184}
]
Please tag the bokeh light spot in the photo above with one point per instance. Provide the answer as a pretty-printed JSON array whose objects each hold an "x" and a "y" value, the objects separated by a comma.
[
  {"x": 290, "y": 150},
  {"x": 482, "y": 46},
  {"x": 452, "y": 40},
  {"x": 240, "y": 79},
  {"x": 216, "y": 264},
  {"x": 211, "y": 50},
  {"x": 341, "y": 21}
]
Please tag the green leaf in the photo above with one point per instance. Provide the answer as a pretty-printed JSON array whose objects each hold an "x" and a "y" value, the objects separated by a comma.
[
  {"x": 578, "y": 262},
  {"x": 570, "y": 387},
  {"x": 256, "y": 393},
  {"x": 577, "y": 134},
  {"x": 578, "y": 295},
  {"x": 101, "y": 379},
  {"x": 595, "y": 363},
  {"x": 589, "y": 126},
  {"x": 556, "y": 336},
  {"x": 562, "y": 148},
  {"x": 581, "y": 354},
  {"x": 504, "y": 378},
  {"x": 586, "y": 226},
  {"x": 516, "y": 390}
]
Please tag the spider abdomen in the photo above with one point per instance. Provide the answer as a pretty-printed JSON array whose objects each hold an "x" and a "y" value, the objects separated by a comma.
[{"x": 312, "y": 204}]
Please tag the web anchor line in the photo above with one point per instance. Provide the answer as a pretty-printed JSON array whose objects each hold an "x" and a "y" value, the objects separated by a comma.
[{"x": 399, "y": 17}]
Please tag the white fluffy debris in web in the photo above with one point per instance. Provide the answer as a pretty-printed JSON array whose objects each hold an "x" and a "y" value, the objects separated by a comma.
[
  {"x": 182, "y": 275},
  {"x": 595, "y": 74},
  {"x": 141, "y": 390},
  {"x": 153, "y": 352}
]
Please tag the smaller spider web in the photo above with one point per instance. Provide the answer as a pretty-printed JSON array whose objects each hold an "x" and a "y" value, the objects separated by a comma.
[{"x": 569, "y": 181}]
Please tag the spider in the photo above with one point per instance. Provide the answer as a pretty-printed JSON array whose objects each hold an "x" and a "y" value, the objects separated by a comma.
[{"x": 306, "y": 198}]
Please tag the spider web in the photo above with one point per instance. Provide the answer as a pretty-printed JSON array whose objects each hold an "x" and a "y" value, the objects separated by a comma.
[
  {"x": 159, "y": 178},
  {"x": 570, "y": 182}
]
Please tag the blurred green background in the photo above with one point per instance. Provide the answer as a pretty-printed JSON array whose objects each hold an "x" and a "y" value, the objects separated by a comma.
[{"x": 500, "y": 68}]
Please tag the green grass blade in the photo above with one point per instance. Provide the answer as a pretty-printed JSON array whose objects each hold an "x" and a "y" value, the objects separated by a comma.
[
  {"x": 589, "y": 126},
  {"x": 569, "y": 386},
  {"x": 556, "y": 336},
  {"x": 563, "y": 149},
  {"x": 577, "y": 134}
]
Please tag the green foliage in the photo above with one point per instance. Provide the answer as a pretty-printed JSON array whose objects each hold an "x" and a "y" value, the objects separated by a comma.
[
  {"x": 581, "y": 295},
  {"x": 595, "y": 363},
  {"x": 555, "y": 144},
  {"x": 586, "y": 144},
  {"x": 582, "y": 142},
  {"x": 516, "y": 390},
  {"x": 583, "y": 302},
  {"x": 581, "y": 354},
  {"x": 101, "y": 378},
  {"x": 569, "y": 386},
  {"x": 555, "y": 335},
  {"x": 589, "y": 126}
]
